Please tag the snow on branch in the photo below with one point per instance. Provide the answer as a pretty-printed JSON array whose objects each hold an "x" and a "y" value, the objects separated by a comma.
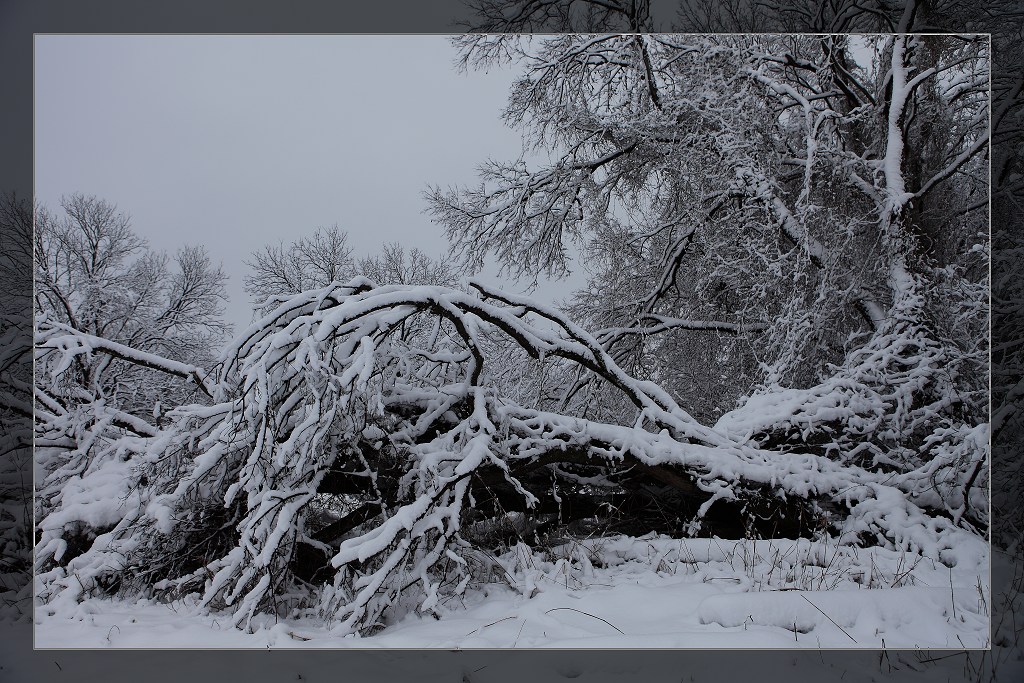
[
  {"x": 664, "y": 323},
  {"x": 70, "y": 343}
]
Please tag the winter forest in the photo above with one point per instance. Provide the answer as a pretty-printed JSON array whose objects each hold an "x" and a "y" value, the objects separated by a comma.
[{"x": 763, "y": 421}]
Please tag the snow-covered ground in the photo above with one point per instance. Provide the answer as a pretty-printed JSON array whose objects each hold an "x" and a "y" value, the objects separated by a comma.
[{"x": 622, "y": 592}]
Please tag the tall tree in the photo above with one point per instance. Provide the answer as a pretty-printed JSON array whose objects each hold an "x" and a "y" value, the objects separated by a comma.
[
  {"x": 306, "y": 263},
  {"x": 133, "y": 320},
  {"x": 806, "y": 197},
  {"x": 94, "y": 275},
  {"x": 396, "y": 266}
]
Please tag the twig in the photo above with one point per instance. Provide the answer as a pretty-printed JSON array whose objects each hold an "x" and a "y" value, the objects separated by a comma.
[
  {"x": 828, "y": 617},
  {"x": 553, "y": 609},
  {"x": 520, "y": 633},
  {"x": 477, "y": 629},
  {"x": 937, "y": 659},
  {"x": 952, "y": 597}
]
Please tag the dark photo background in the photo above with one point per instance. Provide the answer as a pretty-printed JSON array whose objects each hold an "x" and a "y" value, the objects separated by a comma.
[{"x": 20, "y": 19}]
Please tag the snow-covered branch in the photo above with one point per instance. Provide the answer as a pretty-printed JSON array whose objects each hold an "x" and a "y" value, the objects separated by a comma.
[{"x": 70, "y": 343}]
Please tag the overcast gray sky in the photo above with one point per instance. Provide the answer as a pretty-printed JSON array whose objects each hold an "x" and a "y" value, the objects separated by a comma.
[{"x": 234, "y": 142}]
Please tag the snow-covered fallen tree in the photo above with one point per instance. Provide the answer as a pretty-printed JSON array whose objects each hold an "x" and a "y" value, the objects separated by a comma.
[{"x": 388, "y": 400}]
